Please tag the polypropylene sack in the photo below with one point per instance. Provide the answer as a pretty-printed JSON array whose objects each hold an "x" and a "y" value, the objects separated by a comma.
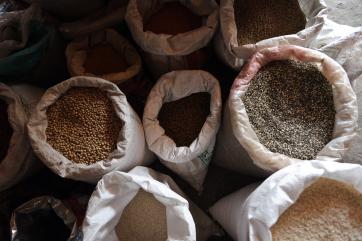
[
  {"x": 19, "y": 161},
  {"x": 131, "y": 148},
  {"x": 234, "y": 55},
  {"x": 21, "y": 216},
  {"x": 164, "y": 52},
  {"x": 114, "y": 192},
  {"x": 250, "y": 217},
  {"x": 77, "y": 54},
  {"x": 238, "y": 147},
  {"x": 190, "y": 162}
]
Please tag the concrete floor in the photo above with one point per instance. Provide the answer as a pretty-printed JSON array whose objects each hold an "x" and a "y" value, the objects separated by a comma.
[{"x": 348, "y": 12}]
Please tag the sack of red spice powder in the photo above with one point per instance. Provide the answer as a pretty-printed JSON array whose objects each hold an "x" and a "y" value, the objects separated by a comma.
[
  {"x": 189, "y": 160},
  {"x": 104, "y": 54},
  {"x": 239, "y": 148},
  {"x": 172, "y": 33},
  {"x": 17, "y": 160}
]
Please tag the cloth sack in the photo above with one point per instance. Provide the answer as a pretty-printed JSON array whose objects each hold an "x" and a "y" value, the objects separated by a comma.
[
  {"x": 163, "y": 52},
  {"x": 117, "y": 189},
  {"x": 77, "y": 54},
  {"x": 234, "y": 55},
  {"x": 131, "y": 148},
  {"x": 238, "y": 147},
  {"x": 189, "y": 162},
  {"x": 249, "y": 215}
]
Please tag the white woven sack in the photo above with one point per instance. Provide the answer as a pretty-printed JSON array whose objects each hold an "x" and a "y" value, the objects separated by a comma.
[
  {"x": 248, "y": 215},
  {"x": 131, "y": 146},
  {"x": 238, "y": 147},
  {"x": 190, "y": 162}
]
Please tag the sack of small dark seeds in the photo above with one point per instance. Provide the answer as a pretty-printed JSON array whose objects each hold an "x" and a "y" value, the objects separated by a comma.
[
  {"x": 146, "y": 205},
  {"x": 104, "y": 54},
  {"x": 84, "y": 128},
  {"x": 172, "y": 33},
  {"x": 287, "y": 105},
  {"x": 247, "y": 26},
  {"x": 43, "y": 219},
  {"x": 17, "y": 160},
  {"x": 181, "y": 118}
]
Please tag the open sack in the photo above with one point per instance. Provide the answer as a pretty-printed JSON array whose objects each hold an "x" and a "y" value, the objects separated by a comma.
[
  {"x": 130, "y": 151},
  {"x": 238, "y": 147}
]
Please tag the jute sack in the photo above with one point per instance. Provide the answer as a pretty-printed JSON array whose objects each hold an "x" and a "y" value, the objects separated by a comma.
[
  {"x": 185, "y": 221},
  {"x": 131, "y": 148},
  {"x": 76, "y": 54},
  {"x": 19, "y": 161},
  {"x": 190, "y": 162},
  {"x": 249, "y": 213},
  {"x": 234, "y": 55},
  {"x": 238, "y": 147},
  {"x": 163, "y": 52}
]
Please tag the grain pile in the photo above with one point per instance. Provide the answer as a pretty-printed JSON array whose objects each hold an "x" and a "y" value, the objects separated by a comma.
[
  {"x": 257, "y": 20},
  {"x": 327, "y": 210},
  {"x": 82, "y": 125},
  {"x": 144, "y": 218},
  {"x": 5, "y": 130},
  {"x": 172, "y": 18},
  {"x": 183, "y": 119},
  {"x": 104, "y": 59},
  {"x": 290, "y": 107}
]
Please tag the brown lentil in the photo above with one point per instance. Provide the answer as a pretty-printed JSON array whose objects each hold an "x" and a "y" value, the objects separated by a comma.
[
  {"x": 290, "y": 107},
  {"x": 5, "y": 130},
  {"x": 183, "y": 119},
  {"x": 327, "y": 210},
  {"x": 82, "y": 125},
  {"x": 144, "y": 218},
  {"x": 104, "y": 59},
  {"x": 257, "y": 20}
]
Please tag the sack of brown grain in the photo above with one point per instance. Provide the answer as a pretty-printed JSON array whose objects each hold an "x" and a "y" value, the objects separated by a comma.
[
  {"x": 248, "y": 26},
  {"x": 172, "y": 33},
  {"x": 104, "y": 54},
  {"x": 181, "y": 119},
  {"x": 17, "y": 161},
  {"x": 287, "y": 105},
  {"x": 306, "y": 201},
  {"x": 146, "y": 205},
  {"x": 84, "y": 128}
]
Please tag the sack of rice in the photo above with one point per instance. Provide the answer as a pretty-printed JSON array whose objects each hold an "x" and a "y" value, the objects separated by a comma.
[
  {"x": 84, "y": 128},
  {"x": 42, "y": 219},
  {"x": 247, "y": 26},
  {"x": 288, "y": 104},
  {"x": 172, "y": 34},
  {"x": 181, "y": 119},
  {"x": 146, "y": 205},
  {"x": 314, "y": 200},
  {"x": 17, "y": 161},
  {"x": 104, "y": 54}
]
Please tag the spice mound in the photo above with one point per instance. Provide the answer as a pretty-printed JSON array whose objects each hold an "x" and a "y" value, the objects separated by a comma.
[
  {"x": 290, "y": 107},
  {"x": 327, "y": 210},
  {"x": 104, "y": 59},
  {"x": 144, "y": 218},
  {"x": 82, "y": 125},
  {"x": 5, "y": 130},
  {"x": 172, "y": 18},
  {"x": 183, "y": 119},
  {"x": 257, "y": 20}
]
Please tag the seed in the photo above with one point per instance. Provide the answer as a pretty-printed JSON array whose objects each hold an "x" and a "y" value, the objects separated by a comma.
[
  {"x": 183, "y": 119},
  {"x": 82, "y": 125},
  {"x": 5, "y": 130},
  {"x": 327, "y": 210},
  {"x": 257, "y": 20},
  {"x": 144, "y": 218},
  {"x": 104, "y": 59},
  {"x": 290, "y": 107}
]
